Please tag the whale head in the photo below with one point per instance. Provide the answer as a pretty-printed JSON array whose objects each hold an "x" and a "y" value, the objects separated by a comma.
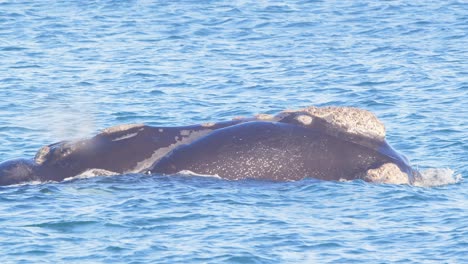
[{"x": 18, "y": 171}]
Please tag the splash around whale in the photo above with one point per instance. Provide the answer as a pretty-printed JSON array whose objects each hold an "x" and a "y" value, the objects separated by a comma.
[{"x": 327, "y": 143}]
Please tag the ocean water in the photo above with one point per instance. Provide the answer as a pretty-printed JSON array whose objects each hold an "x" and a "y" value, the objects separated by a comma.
[{"x": 71, "y": 68}]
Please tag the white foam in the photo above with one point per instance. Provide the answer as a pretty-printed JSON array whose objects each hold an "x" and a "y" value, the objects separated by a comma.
[
  {"x": 437, "y": 177},
  {"x": 28, "y": 183},
  {"x": 191, "y": 173},
  {"x": 91, "y": 173}
]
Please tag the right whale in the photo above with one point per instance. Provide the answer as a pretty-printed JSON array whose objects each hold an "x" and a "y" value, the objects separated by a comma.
[{"x": 330, "y": 143}]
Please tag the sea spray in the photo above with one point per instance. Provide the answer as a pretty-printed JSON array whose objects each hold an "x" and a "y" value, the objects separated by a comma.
[
  {"x": 68, "y": 119},
  {"x": 437, "y": 177}
]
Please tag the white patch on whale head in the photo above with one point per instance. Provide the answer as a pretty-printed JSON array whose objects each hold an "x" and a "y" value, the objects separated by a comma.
[
  {"x": 304, "y": 119},
  {"x": 59, "y": 150},
  {"x": 265, "y": 117},
  {"x": 387, "y": 173},
  {"x": 350, "y": 120},
  {"x": 42, "y": 155}
]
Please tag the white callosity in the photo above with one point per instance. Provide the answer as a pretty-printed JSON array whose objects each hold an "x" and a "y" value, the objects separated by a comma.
[
  {"x": 350, "y": 120},
  {"x": 387, "y": 173}
]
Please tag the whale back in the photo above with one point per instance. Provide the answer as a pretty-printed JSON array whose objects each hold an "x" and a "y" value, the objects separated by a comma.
[
  {"x": 116, "y": 150},
  {"x": 273, "y": 151}
]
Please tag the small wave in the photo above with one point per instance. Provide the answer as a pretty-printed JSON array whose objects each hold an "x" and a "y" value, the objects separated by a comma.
[
  {"x": 26, "y": 183},
  {"x": 437, "y": 177},
  {"x": 64, "y": 225}
]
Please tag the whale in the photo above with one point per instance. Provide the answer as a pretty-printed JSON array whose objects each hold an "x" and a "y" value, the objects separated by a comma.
[{"x": 326, "y": 143}]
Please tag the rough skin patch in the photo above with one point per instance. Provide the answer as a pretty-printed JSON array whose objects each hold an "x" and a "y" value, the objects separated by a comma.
[
  {"x": 349, "y": 120},
  {"x": 42, "y": 155},
  {"x": 209, "y": 124},
  {"x": 304, "y": 119},
  {"x": 388, "y": 173},
  {"x": 120, "y": 128},
  {"x": 58, "y": 151},
  {"x": 265, "y": 117}
]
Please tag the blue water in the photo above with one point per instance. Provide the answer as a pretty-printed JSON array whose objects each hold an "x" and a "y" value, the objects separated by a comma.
[{"x": 71, "y": 68}]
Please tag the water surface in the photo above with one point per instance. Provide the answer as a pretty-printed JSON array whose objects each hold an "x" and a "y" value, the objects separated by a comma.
[{"x": 69, "y": 69}]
